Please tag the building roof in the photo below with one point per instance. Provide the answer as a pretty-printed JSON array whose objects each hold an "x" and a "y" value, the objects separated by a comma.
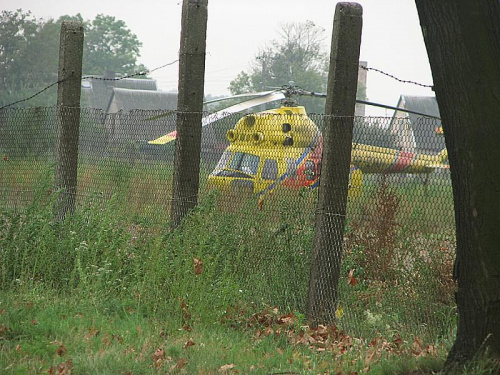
[
  {"x": 97, "y": 90},
  {"x": 424, "y": 128},
  {"x": 125, "y": 99}
]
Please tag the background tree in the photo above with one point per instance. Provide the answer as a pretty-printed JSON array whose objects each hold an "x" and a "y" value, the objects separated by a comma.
[
  {"x": 109, "y": 45},
  {"x": 298, "y": 56},
  {"x": 463, "y": 43},
  {"x": 18, "y": 30}
]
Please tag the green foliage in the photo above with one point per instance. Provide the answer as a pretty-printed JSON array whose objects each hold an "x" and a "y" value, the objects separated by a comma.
[
  {"x": 108, "y": 45},
  {"x": 298, "y": 55},
  {"x": 30, "y": 133},
  {"x": 233, "y": 271},
  {"x": 22, "y": 36}
]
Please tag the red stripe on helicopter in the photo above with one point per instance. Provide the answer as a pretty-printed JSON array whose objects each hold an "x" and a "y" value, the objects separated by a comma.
[{"x": 402, "y": 160}]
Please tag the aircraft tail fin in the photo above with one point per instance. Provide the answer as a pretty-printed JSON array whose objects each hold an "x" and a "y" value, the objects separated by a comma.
[
  {"x": 439, "y": 160},
  {"x": 172, "y": 136}
]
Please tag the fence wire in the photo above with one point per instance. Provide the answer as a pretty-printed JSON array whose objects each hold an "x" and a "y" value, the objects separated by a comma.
[{"x": 254, "y": 229}]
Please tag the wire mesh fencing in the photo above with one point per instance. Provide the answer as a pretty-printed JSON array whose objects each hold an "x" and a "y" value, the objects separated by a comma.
[{"x": 249, "y": 242}]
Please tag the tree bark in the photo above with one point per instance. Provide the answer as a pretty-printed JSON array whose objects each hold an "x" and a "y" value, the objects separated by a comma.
[{"x": 463, "y": 44}]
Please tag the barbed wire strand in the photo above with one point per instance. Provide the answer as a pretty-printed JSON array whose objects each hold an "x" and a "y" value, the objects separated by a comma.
[
  {"x": 32, "y": 96},
  {"x": 143, "y": 73},
  {"x": 396, "y": 78}
]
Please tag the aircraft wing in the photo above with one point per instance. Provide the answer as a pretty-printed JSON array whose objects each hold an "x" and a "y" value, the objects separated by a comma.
[{"x": 266, "y": 98}]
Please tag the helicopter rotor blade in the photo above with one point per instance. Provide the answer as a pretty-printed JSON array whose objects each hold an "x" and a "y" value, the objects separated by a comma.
[
  {"x": 263, "y": 99},
  {"x": 323, "y": 95},
  {"x": 262, "y": 93},
  {"x": 396, "y": 109}
]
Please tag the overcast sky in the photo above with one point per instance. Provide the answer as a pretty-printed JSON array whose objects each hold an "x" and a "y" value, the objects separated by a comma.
[{"x": 391, "y": 40}]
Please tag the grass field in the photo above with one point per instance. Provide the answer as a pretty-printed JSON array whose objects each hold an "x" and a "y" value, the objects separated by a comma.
[{"x": 113, "y": 290}]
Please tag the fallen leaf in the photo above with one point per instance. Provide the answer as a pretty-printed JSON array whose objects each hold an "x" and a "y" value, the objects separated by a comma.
[
  {"x": 398, "y": 341},
  {"x": 158, "y": 357},
  {"x": 93, "y": 331},
  {"x": 226, "y": 368},
  {"x": 185, "y": 310},
  {"x": 286, "y": 319},
  {"x": 61, "y": 350},
  {"x": 339, "y": 313},
  {"x": 198, "y": 266},
  {"x": 66, "y": 368},
  {"x": 417, "y": 346},
  {"x": 188, "y": 343},
  {"x": 352, "y": 280},
  {"x": 181, "y": 362}
]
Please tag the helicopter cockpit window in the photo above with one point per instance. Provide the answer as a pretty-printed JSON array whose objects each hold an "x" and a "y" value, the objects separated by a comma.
[
  {"x": 226, "y": 156},
  {"x": 270, "y": 170},
  {"x": 246, "y": 163},
  {"x": 291, "y": 168}
]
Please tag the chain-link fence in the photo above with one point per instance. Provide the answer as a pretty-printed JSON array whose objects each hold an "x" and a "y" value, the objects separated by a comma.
[{"x": 254, "y": 228}]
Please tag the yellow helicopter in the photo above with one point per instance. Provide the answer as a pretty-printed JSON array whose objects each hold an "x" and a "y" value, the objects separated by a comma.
[{"x": 284, "y": 146}]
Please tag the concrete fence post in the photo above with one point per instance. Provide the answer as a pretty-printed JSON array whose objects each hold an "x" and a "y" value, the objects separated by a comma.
[
  {"x": 186, "y": 179},
  {"x": 68, "y": 114},
  {"x": 337, "y": 143}
]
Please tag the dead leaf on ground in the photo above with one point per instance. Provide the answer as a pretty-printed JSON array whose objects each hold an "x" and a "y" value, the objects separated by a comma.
[
  {"x": 66, "y": 368},
  {"x": 93, "y": 332},
  {"x": 61, "y": 350},
  {"x": 181, "y": 362},
  {"x": 158, "y": 357},
  {"x": 226, "y": 368},
  {"x": 188, "y": 343},
  {"x": 352, "y": 280},
  {"x": 198, "y": 266}
]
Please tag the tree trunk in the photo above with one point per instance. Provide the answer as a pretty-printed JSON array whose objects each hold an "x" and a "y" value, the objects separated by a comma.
[{"x": 463, "y": 43}]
